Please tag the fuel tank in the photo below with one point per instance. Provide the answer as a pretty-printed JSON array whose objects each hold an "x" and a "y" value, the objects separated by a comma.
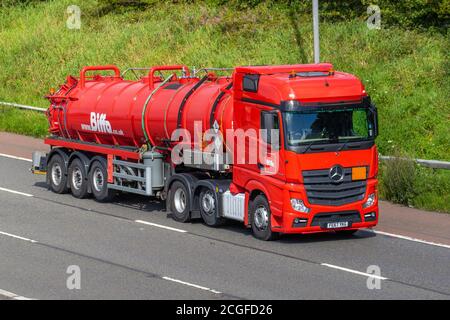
[{"x": 113, "y": 111}]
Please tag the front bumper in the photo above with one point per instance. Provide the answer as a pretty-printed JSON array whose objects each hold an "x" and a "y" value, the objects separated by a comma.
[{"x": 291, "y": 221}]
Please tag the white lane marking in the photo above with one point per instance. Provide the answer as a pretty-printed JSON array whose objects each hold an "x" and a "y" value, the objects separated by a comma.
[
  {"x": 17, "y": 237},
  {"x": 192, "y": 285},
  {"x": 160, "y": 226},
  {"x": 353, "y": 271},
  {"x": 11, "y": 295},
  {"x": 16, "y": 192},
  {"x": 14, "y": 157},
  {"x": 412, "y": 239}
]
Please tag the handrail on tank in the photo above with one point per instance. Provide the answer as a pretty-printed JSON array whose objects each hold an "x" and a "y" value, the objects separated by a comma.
[
  {"x": 152, "y": 71},
  {"x": 133, "y": 69},
  {"x": 97, "y": 68},
  {"x": 211, "y": 69}
]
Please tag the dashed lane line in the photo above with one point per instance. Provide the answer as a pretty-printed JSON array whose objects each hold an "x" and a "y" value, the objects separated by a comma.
[
  {"x": 12, "y": 296},
  {"x": 16, "y": 192},
  {"x": 17, "y": 237},
  {"x": 14, "y": 157}
]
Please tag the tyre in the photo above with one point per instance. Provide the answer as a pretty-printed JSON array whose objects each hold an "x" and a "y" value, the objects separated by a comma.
[
  {"x": 179, "y": 202},
  {"x": 98, "y": 180},
  {"x": 346, "y": 233},
  {"x": 209, "y": 208},
  {"x": 78, "y": 179},
  {"x": 261, "y": 219},
  {"x": 57, "y": 174}
]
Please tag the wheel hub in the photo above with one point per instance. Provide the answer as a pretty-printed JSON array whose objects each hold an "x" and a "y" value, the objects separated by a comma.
[
  {"x": 56, "y": 174},
  {"x": 179, "y": 199},
  {"x": 98, "y": 180},
  {"x": 77, "y": 178},
  {"x": 208, "y": 203},
  {"x": 261, "y": 218}
]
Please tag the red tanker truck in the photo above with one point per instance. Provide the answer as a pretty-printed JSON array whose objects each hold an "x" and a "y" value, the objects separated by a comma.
[{"x": 283, "y": 149}]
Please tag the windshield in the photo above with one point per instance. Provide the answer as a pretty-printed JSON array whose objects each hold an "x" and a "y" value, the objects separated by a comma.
[{"x": 322, "y": 125}]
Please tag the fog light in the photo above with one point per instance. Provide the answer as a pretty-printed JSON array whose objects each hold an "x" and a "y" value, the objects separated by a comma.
[
  {"x": 370, "y": 201},
  {"x": 300, "y": 222},
  {"x": 370, "y": 216},
  {"x": 299, "y": 205}
]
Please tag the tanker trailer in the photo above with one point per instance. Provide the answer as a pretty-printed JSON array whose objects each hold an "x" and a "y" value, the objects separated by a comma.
[{"x": 196, "y": 140}]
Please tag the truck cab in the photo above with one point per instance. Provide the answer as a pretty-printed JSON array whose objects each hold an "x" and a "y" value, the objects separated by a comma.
[{"x": 327, "y": 166}]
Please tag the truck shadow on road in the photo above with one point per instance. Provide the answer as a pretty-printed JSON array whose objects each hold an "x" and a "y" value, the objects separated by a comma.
[
  {"x": 154, "y": 206},
  {"x": 237, "y": 227}
]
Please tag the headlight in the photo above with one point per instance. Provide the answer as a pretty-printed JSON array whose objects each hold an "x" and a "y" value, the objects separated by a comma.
[
  {"x": 370, "y": 200},
  {"x": 299, "y": 205}
]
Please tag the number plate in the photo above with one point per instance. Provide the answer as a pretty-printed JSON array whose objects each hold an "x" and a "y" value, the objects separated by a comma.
[{"x": 334, "y": 225}]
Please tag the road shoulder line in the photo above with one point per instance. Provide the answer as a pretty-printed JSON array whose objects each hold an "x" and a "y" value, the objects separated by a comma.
[{"x": 411, "y": 239}]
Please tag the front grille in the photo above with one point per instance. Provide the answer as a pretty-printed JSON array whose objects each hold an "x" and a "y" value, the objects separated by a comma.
[
  {"x": 321, "y": 190},
  {"x": 321, "y": 219}
]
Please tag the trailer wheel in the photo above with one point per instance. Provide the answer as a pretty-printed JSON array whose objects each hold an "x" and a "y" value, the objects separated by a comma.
[
  {"x": 98, "y": 179},
  {"x": 78, "y": 179},
  {"x": 57, "y": 174},
  {"x": 209, "y": 207},
  {"x": 179, "y": 202},
  {"x": 261, "y": 219}
]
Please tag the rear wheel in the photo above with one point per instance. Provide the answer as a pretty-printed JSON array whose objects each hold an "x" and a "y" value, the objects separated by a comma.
[
  {"x": 78, "y": 179},
  {"x": 57, "y": 174},
  {"x": 261, "y": 219},
  {"x": 208, "y": 208},
  {"x": 179, "y": 203},
  {"x": 98, "y": 179}
]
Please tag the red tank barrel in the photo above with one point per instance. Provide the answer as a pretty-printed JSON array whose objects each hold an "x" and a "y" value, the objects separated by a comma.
[{"x": 109, "y": 109}]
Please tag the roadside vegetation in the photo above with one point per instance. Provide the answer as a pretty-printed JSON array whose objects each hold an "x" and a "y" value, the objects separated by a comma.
[{"x": 404, "y": 65}]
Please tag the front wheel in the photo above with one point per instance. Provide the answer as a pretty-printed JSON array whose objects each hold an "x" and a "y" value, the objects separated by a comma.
[{"x": 261, "y": 219}]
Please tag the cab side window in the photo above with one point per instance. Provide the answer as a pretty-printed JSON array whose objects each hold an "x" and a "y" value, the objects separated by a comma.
[{"x": 270, "y": 123}]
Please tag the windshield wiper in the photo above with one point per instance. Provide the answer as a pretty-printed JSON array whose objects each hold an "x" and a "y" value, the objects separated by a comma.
[
  {"x": 308, "y": 146},
  {"x": 343, "y": 146}
]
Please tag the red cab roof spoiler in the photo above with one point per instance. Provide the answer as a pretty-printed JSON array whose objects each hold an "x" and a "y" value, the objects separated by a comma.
[{"x": 319, "y": 67}]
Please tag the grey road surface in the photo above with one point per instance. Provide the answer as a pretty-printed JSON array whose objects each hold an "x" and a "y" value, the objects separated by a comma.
[{"x": 42, "y": 234}]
